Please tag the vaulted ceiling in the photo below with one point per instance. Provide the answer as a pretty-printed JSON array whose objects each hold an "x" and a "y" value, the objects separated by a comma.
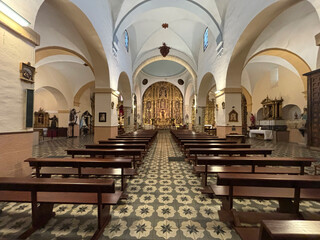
[{"x": 187, "y": 20}]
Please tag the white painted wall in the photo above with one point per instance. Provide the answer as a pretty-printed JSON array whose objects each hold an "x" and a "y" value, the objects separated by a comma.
[
  {"x": 12, "y": 90},
  {"x": 289, "y": 87},
  {"x": 293, "y": 30}
]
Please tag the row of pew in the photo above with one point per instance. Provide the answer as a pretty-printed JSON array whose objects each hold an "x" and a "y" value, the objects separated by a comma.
[
  {"x": 244, "y": 172},
  {"x": 118, "y": 156}
]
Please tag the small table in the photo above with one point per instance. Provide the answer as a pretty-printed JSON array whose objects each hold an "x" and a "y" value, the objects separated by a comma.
[{"x": 267, "y": 133}]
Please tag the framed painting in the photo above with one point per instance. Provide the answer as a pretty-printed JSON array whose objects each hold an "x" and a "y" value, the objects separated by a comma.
[
  {"x": 102, "y": 116},
  {"x": 27, "y": 72}
]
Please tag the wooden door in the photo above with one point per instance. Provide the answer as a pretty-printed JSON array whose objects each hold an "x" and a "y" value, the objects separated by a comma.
[{"x": 313, "y": 121}]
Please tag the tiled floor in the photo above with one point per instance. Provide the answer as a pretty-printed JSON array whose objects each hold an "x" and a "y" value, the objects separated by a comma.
[{"x": 164, "y": 200}]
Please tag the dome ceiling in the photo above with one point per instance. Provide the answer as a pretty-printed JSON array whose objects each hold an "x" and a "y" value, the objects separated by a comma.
[{"x": 163, "y": 68}]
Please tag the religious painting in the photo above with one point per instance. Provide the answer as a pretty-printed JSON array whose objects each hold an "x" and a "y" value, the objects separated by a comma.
[
  {"x": 27, "y": 72},
  {"x": 233, "y": 116},
  {"x": 162, "y": 105},
  {"x": 102, "y": 116}
]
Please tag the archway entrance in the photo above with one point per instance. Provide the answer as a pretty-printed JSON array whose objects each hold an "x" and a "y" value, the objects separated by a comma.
[{"x": 162, "y": 105}]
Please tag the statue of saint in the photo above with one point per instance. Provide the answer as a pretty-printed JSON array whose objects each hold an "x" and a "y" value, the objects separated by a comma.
[
  {"x": 252, "y": 120},
  {"x": 54, "y": 121}
]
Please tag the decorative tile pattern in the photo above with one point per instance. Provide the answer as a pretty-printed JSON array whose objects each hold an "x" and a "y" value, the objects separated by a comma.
[{"x": 164, "y": 200}]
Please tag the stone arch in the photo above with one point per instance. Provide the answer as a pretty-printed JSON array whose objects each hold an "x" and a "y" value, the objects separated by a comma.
[
  {"x": 248, "y": 37},
  {"x": 76, "y": 99},
  {"x": 248, "y": 97},
  {"x": 289, "y": 111},
  {"x": 207, "y": 83},
  {"x": 294, "y": 59},
  {"x": 124, "y": 87},
  {"x": 259, "y": 115},
  {"x": 99, "y": 63},
  {"x": 170, "y": 58},
  {"x": 60, "y": 98},
  {"x": 189, "y": 92},
  {"x": 45, "y": 52}
]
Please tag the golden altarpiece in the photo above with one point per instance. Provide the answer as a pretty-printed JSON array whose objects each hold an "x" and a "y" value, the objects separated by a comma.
[
  {"x": 272, "y": 109},
  {"x": 162, "y": 105},
  {"x": 209, "y": 118}
]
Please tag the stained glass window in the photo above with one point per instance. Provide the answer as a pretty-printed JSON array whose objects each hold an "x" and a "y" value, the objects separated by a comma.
[
  {"x": 205, "y": 39},
  {"x": 126, "y": 40}
]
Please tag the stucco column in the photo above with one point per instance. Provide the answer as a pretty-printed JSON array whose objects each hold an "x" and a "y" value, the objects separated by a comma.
[
  {"x": 128, "y": 119},
  {"x": 106, "y": 115},
  {"x": 199, "y": 121},
  {"x": 228, "y": 101}
]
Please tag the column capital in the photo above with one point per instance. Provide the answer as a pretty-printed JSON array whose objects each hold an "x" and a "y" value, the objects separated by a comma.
[
  {"x": 227, "y": 90},
  {"x": 107, "y": 90}
]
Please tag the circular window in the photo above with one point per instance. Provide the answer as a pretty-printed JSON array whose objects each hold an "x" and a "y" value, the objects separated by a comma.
[
  {"x": 180, "y": 81},
  {"x": 145, "y": 81}
]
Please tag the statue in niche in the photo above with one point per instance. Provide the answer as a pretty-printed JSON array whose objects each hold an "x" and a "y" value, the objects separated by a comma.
[
  {"x": 40, "y": 118},
  {"x": 163, "y": 91}
]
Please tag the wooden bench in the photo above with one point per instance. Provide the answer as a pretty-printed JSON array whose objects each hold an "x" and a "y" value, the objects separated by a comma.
[
  {"x": 126, "y": 141},
  {"x": 282, "y": 229},
  {"x": 43, "y": 193},
  {"x": 109, "y": 152},
  {"x": 284, "y": 188},
  {"x": 228, "y": 151},
  {"x": 45, "y": 167},
  {"x": 116, "y": 145},
  {"x": 256, "y": 165},
  {"x": 187, "y": 146}
]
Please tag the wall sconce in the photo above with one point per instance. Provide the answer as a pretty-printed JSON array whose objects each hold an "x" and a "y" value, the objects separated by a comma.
[
  {"x": 217, "y": 107},
  {"x": 8, "y": 11},
  {"x": 112, "y": 105},
  {"x": 223, "y": 104}
]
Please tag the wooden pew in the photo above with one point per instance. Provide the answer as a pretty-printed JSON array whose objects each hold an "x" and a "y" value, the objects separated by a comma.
[
  {"x": 187, "y": 146},
  {"x": 284, "y": 188},
  {"x": 125, "y": 141},
  {"x": 116, "y": 145},
  {"x": 199, "y": 141},
  {"x": 43, "y": 193},
  {"x": 255, "y": 165},
  {"x": 229, "y": 151},
  {"x": 282, "y": 229},
  {"x": 45, "y": 167},
  {"x": 108, "y": 152}
]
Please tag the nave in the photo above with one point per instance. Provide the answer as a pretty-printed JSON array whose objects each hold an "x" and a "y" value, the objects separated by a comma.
[{"x": 164, "y": 199}]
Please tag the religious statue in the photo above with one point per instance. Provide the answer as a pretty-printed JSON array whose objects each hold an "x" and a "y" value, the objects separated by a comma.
[
  {"x": 252, "y": 120},
  {"x": 54, "y": 121},
  {"x": 73, "y": 117}
]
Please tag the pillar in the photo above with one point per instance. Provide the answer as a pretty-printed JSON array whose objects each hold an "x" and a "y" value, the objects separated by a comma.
[
  {"x": 128, "y": 119},
  {"x": 106, "y": 115},
  {"x": 230, "y": 98},
  {"x": 199, "y": 121}
]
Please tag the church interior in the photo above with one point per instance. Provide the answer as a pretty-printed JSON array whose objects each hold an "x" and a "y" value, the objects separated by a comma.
[{"x": 181, "y": 106}]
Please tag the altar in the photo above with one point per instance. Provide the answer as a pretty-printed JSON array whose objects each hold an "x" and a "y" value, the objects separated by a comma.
[{"x": 266, "y": 133}]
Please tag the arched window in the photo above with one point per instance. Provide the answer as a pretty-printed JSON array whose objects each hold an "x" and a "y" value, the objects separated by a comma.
[
  {"x": 126, "y": 40},
  {"x": 205, "y": 39}
]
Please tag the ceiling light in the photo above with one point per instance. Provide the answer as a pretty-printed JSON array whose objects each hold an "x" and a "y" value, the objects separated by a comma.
[{"x": 13, "y": 15}]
